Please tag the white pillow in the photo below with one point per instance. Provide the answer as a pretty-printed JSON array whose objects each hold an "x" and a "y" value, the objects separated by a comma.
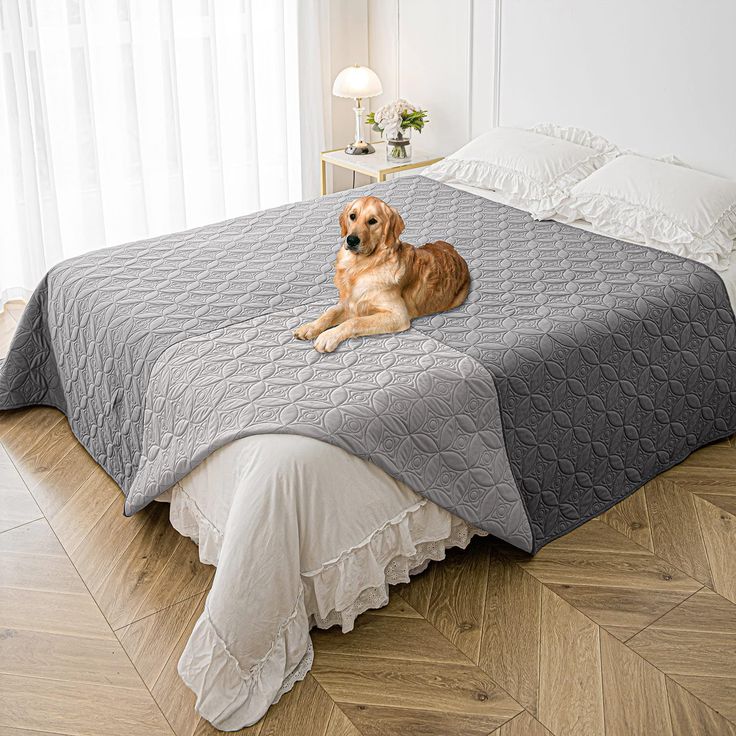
[
  {"x": 662, "y": 204},
  {"x": 534, "y": 169}
]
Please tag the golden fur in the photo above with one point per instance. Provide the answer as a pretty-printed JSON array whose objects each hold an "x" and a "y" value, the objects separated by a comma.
[{"x": 384, "y": 283}]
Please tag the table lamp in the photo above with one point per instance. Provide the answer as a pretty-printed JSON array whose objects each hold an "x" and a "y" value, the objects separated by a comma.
[{"x": 357, "y": 82}]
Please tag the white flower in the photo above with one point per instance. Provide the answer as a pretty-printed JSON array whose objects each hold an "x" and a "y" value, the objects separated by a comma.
[{"x": 389, "y": 117}]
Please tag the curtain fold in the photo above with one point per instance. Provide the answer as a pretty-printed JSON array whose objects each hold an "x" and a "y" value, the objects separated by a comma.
[{"x": 122, "y": 119}]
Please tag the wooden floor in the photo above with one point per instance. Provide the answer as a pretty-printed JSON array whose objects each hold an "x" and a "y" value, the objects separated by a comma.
[{"x": 627, "y": 626}]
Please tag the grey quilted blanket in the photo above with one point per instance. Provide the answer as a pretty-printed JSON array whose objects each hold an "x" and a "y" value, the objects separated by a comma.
[{"x": 578, "y": 368}]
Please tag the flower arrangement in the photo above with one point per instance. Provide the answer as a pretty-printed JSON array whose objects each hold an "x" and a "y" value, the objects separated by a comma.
[{"x": 395, "y": 120}]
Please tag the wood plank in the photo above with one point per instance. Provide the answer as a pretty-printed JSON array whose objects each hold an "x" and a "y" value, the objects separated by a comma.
[
  {"x": 593, "y": 536},
  {"x": 39, "y": 572},
  {"x": 718, "y": 692},
  {"x": 174, "y": 698},
  {"x": 55, "y": 613},
  {"x": 522, "y": 725},
  {"x": 688, "y": 652},
  {"x": 377, "y": 720},
  {"x": 390, "y": 638},
  {"x": 571, "y": 690},
  {"x": 719, "y": 535},
  {"x": 204, "y": 728},
  {"x": 703, "y": 479},
  {"x": 509, "y": 650},
  {"x": 35, "y": 538},
  {"x": 305, "y": 711},
  {"x": 675, "y": 529},
  {"x": 418, "y": 591},
  {"x": 722, "y": 501},
  {"x": 692, "y": 717},
  {"x": 634, "y": 693},
  {"x": 150, "y": 641},
  {"x": 631, "y": 518},
  {"x": 182, "y": 576},
  {"x": 122, "y": 593},
  {"x": 644, "y": 570},
  {"x": 410, "y": 684},
  {"x": 695, "y": 645},
  {"x": 69, "y": 658},
  {"x": 396, "y": 606},
  {"x": 622, "y": 611},
  {"x": 716, "y": 455},
  {"x": 53, "y": 489},
  {"x": 46, "y": 452},
  {"x": 10, "y": 731},
  {"x": 32, "y": 425},
  {"x": 458, "y": 596},
  {"x": 74, "y": 521},
  {"x": 17, "y": 506},
  {"x": 340, "y": 725},
  {"x": 705, "y": 611},
  {"x": 106, "y": 543},
  {"x": 51, "y": 705},
  {"x": 9, "y": 419}
]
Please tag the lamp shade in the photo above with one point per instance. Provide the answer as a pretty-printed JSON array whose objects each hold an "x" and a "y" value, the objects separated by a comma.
[{"x": 357, "y": 81}]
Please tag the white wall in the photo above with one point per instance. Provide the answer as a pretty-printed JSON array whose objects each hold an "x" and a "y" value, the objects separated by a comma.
[
  {"x": 657, "y": 76},
  {"x": 348, "y": 21},
  {"x": 438, "y": 55}
]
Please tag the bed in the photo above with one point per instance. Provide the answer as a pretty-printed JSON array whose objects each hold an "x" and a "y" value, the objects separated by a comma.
[{"x": 579, "y": 368}]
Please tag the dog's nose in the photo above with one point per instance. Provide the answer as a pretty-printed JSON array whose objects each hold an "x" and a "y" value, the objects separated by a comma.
[{"x": 353, "y": 242}]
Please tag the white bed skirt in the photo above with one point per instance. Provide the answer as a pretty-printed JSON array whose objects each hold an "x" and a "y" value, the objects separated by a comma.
[{"x": 303, "y": 534}]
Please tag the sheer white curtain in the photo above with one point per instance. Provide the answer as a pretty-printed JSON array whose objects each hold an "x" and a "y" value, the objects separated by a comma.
[{"x": 121, "y": 119}]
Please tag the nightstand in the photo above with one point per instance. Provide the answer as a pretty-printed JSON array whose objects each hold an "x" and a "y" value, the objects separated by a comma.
[{"x": 373, "y": 164}]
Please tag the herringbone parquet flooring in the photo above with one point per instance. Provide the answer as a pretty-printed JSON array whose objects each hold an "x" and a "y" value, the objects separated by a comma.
[{"x": 627, "y": 626}]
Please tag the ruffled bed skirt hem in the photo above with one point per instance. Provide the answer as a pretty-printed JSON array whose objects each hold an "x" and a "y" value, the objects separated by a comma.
[{"x": 231, "y": 695}]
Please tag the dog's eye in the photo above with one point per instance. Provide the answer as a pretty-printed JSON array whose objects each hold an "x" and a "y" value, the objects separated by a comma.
[
  {"x": 352, "y": 215},
  {"x": 372, "y": 221}
]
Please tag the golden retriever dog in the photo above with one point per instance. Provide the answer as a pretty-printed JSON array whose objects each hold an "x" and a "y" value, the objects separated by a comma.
[{"x": 383, "y": 282}]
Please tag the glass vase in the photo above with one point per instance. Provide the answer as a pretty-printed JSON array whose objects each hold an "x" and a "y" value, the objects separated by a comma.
[{"x": 398, "y": 147}]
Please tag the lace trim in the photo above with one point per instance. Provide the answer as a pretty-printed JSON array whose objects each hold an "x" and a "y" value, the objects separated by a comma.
[
  {"x": 397, "y": 571},
  {"x": 188, "y": 519},
  {"x": 541, "y": 199},
  {"x": 298, "y": 674},
  {"x": 619, "y": 218},
  {"x": 580, "y": 136}
]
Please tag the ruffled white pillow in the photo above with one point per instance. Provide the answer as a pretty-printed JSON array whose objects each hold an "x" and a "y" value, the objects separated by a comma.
[
  {"x": 534, "y": 169},
  {"x": 659, "y": 203}
]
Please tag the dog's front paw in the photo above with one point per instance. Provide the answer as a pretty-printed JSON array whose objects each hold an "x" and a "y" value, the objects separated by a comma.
[
  {"x": 306, "y": 331},
  {"x": 328, "y": 341}
]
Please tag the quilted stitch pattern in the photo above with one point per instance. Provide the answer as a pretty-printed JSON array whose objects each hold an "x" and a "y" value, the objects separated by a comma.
[
  {"x": 425, "y": 413},
  {"x": 603, "y": 362}
]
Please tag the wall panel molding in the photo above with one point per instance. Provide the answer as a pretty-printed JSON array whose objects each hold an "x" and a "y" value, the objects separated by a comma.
[{"x": 442, "y": 56}]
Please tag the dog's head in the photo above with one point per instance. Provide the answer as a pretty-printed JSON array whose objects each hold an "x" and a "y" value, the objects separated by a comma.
[{"x": 368, "y": 223}]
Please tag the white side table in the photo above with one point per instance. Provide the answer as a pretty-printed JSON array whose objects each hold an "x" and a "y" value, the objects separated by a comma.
[{"x": 373, "y": 165}]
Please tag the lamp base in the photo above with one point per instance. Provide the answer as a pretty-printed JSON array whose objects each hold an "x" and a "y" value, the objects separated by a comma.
[{"x": 360, "y": 148}]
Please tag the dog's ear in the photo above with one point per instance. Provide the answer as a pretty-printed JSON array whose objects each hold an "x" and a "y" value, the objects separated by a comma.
[
  {"x": 394, "y": 226},
  {"x": 344, "y": 219}
]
